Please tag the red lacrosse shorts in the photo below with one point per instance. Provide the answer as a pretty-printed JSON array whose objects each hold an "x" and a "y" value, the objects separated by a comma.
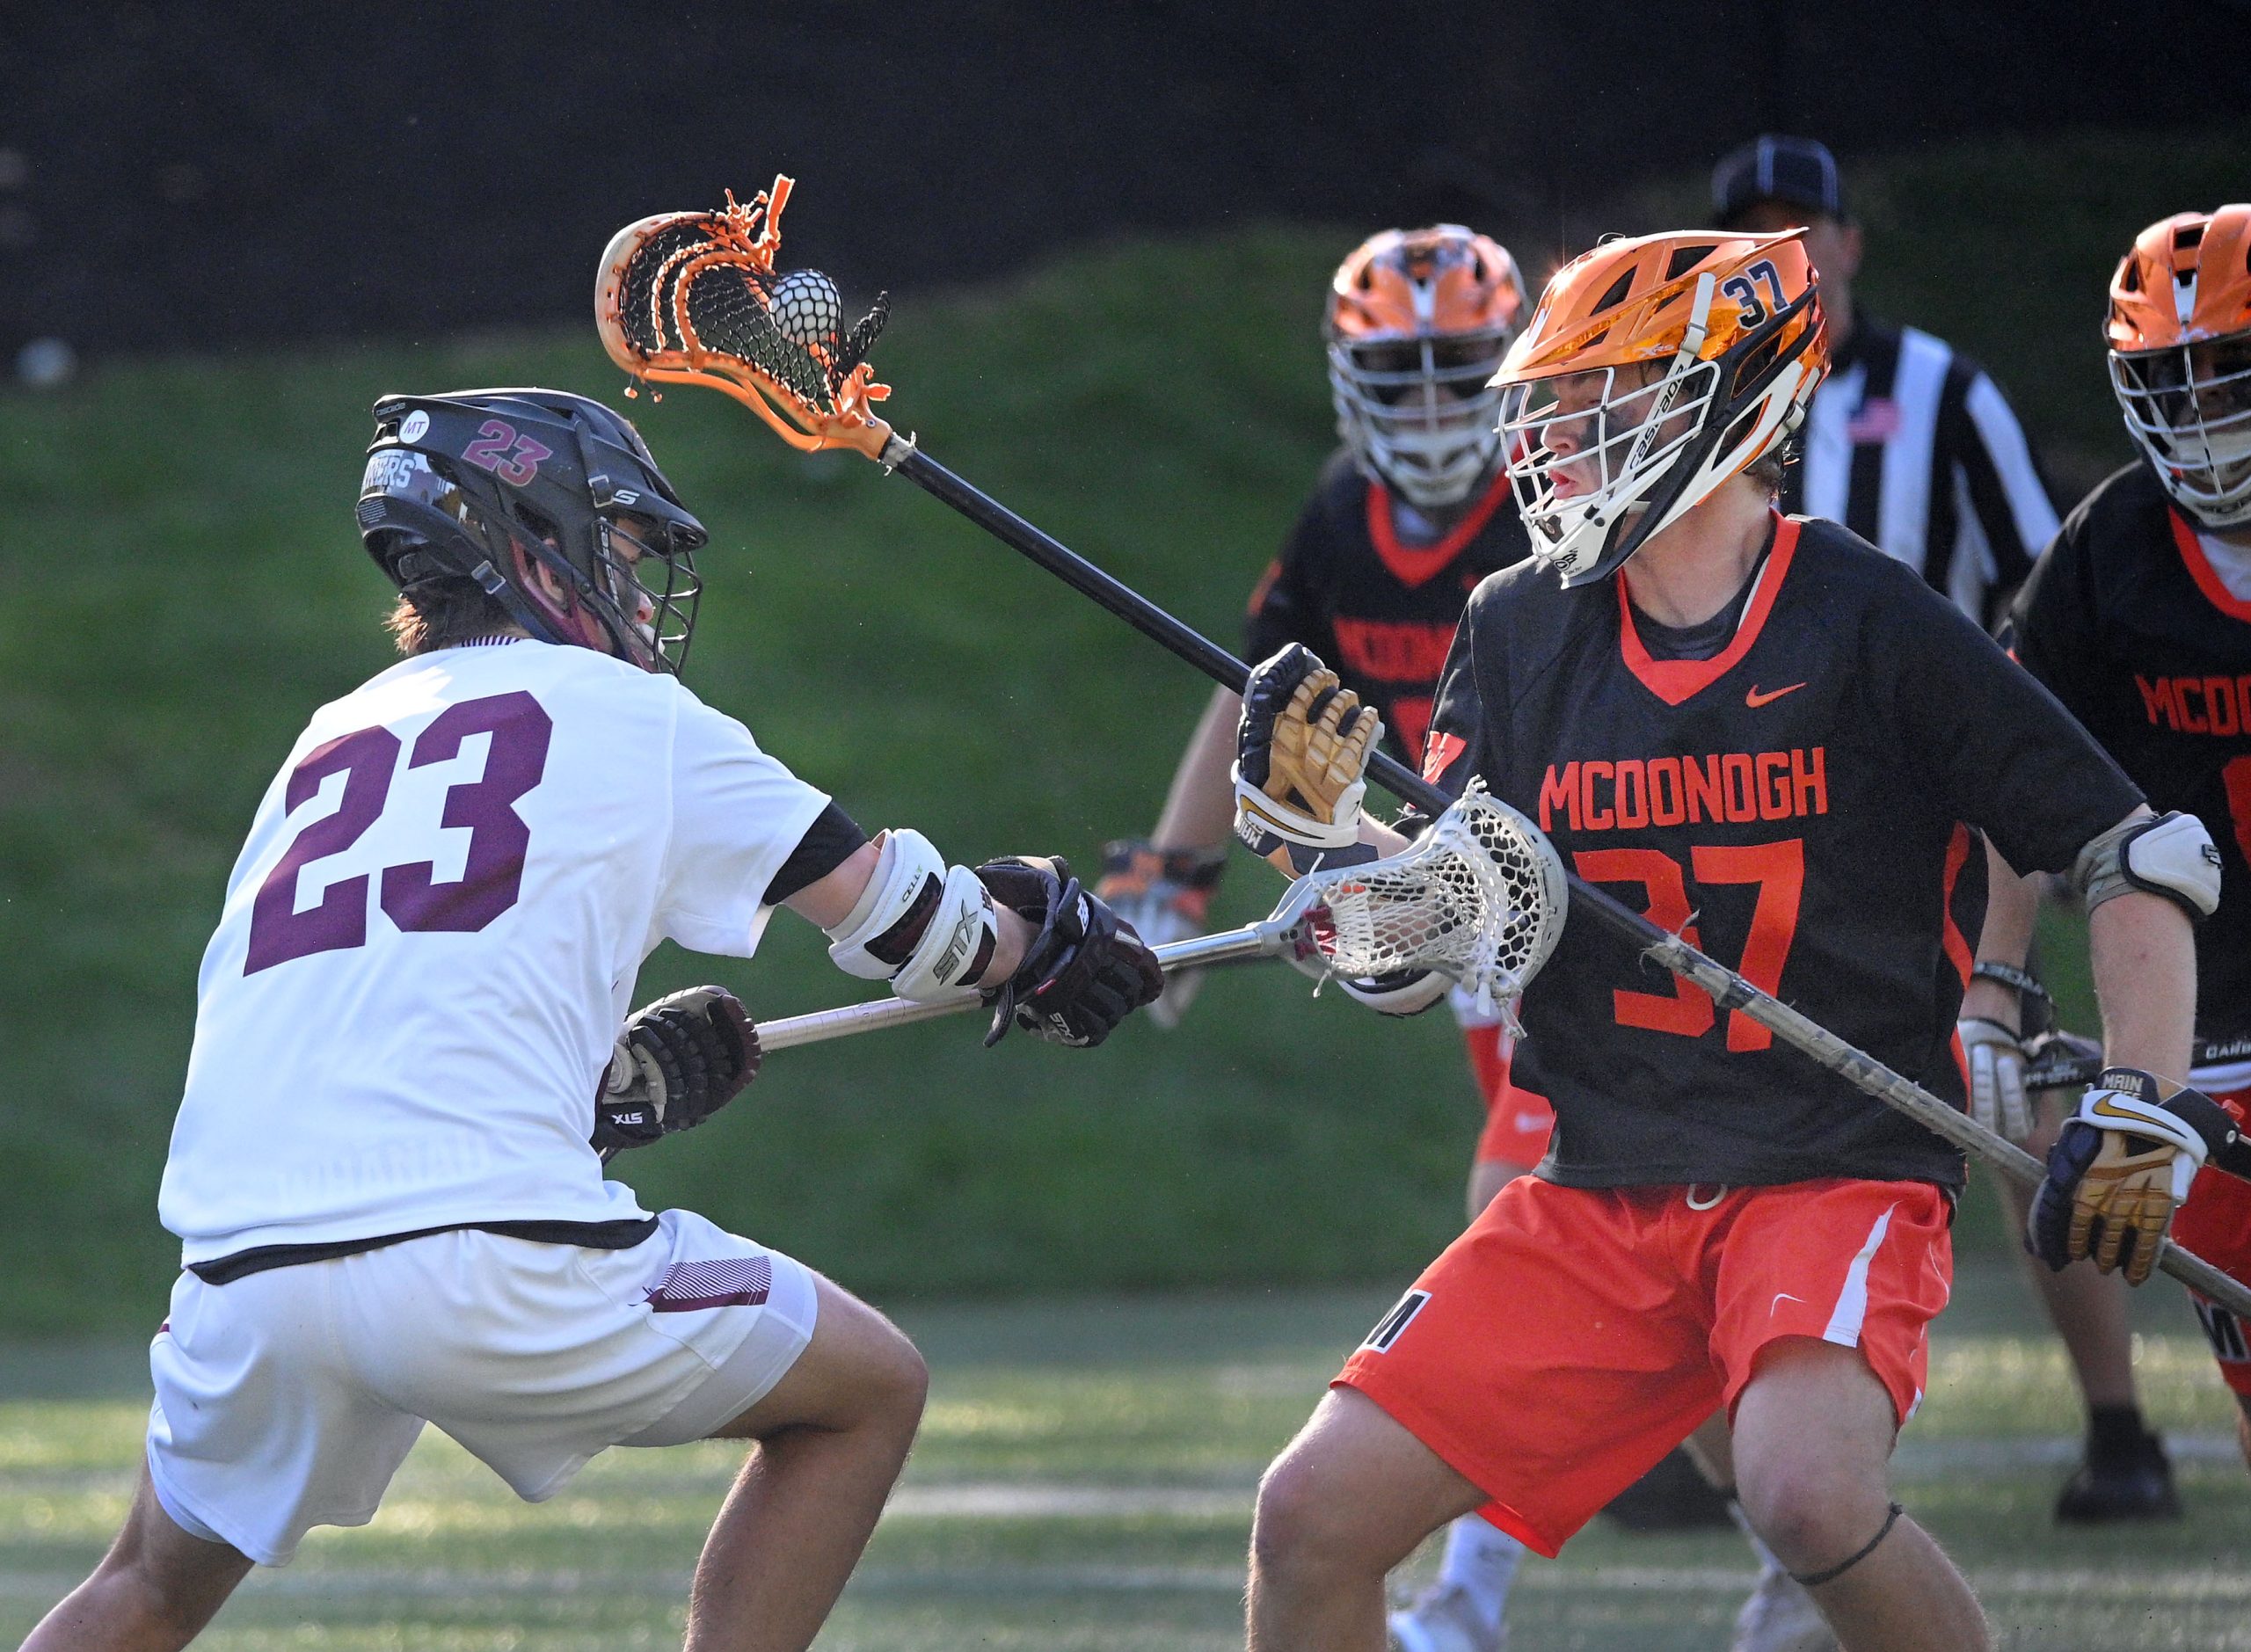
[
  {"x": 2215, "y": 1224},
  {"x": 1572, "y": 1336},
  {"x": 1517, "y": 1122}
]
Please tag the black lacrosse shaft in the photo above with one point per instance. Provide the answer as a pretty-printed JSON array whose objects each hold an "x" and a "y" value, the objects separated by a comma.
[
  {"x": 1727, "y": 989},
  {"x": 1213, "y": 661}
]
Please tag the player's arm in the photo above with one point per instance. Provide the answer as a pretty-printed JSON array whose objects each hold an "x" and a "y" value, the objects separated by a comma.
[
  {"x": 1162, "y": 884},
  {"x": 1200, "y": 807},
  {"x": 1048, "y": 955},
  {"x": 2010, "y": 760},
  {"x": 2126, "y": 1157}
]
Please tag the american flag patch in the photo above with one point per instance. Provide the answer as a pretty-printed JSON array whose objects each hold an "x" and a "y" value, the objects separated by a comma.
[
  {"x": 1878, "y": 421},
  {"x": 730, "y": 1282}
]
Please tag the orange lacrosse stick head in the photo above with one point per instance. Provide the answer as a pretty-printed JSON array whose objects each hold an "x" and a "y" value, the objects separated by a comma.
[{"x": 695, "y": 298}]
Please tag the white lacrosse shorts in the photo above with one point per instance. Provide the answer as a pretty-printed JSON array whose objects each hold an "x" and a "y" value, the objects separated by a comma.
[{"x": 288, "y": 1398}]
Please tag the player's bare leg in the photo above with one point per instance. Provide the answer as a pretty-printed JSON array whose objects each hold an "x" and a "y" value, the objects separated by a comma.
[
  {"x": 832, "y": 1437},
  {"x": 1464, "y": 1610},
  {"x": 1813, "y": 1437},
  {"x": 153, "y": 1591},
  {"x": 1344, "y": 1503},
  {"x": 1778, "y": 1616}
]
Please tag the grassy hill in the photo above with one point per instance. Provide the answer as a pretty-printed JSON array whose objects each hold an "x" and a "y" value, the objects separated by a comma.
[{"x": 187, "y": 585}]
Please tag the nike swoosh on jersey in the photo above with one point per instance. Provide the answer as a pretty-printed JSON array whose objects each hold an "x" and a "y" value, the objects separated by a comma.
[{"x": 1755, "y": 699}]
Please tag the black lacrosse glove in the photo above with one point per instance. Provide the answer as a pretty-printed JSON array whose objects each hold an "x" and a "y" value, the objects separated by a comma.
[
  {"x": 1082, "y": 973},
  {"x": 677, "y": 1062}
]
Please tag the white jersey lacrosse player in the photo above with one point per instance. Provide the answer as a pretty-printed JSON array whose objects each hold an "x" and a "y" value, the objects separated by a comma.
[{"x": 386, "y": 1172}]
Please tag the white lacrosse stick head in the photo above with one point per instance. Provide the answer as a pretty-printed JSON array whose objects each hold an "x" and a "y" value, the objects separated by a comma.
[{"x": 1480, "y": 898}]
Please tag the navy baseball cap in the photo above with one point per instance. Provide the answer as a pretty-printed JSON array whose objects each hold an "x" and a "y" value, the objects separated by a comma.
[{"x": 1796, "y": 171}]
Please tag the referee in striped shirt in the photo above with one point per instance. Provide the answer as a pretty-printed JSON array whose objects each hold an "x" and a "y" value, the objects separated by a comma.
[{"x": 1909, "y": 443}]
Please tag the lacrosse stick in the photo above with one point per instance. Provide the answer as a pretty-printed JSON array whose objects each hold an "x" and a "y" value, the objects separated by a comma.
[
  {"x": 1479, "y": 898},
  {"x": 2066, "y": 1060},
  {"x": 696, "y": 298}
]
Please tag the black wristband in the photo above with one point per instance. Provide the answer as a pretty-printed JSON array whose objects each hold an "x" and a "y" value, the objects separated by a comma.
[{"x": 2026, "y": 984}]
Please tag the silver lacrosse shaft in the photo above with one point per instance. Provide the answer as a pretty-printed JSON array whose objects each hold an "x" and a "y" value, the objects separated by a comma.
[
  {"x": 1263, "y": 939},
  {"x": 1857, "y": 1067}
]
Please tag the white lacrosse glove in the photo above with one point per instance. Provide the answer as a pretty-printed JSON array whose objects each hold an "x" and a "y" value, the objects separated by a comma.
[
  {"x": 1301, "y": 750},
  {"x": 1996, "y": 1057},
  {"x": 1164, "y": 894}
]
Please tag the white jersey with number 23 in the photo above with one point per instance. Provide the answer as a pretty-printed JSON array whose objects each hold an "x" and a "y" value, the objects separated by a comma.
[{"x": 432, "y": 935}]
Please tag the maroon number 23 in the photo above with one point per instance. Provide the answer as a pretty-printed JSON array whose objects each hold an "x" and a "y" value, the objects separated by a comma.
[{"x": 414, "y": 900}]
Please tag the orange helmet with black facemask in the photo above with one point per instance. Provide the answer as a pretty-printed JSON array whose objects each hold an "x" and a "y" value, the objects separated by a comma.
[
  {"x": 1417, "y": 320},
  {"x": 1653, "y": 370},
  {"x": 2180, "y": 337}
]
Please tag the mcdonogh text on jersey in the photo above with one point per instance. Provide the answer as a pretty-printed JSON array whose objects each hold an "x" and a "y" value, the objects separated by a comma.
[{"x": 1598, "y": 795}]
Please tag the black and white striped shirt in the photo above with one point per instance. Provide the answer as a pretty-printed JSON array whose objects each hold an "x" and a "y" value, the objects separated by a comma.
[{"x": 1915, "y": 449}]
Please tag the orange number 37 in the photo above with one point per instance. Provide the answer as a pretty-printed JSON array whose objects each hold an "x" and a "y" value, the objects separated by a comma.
[{"x": 1779, "y": 871}]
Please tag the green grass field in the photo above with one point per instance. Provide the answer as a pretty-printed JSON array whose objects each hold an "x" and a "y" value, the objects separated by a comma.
[
  {"x": 1084, "y": 1481},
  {"x": 190, "y": 585}
]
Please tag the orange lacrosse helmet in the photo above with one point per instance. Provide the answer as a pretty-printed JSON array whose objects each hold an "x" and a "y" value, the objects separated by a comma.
[
  {"x": 1653, "y": 370},
  {"x": 2180, "y": 339},
  {"x": 1417, "y": 323}
]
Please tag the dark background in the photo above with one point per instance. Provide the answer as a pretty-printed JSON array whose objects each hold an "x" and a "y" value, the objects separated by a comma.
[{"x": 197, "y": 174}]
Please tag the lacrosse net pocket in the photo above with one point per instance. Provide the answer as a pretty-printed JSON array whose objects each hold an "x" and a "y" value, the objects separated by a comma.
[
  {"x": 1480, "y": 898},
  {"x": 695, "y": 298}
]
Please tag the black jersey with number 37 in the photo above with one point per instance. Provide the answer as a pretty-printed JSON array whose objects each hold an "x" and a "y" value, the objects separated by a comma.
[
  {"x": 2126, "y": 620},
  {"x": 1796, "y": 804},
  {"x": 1380, "y": 610}
]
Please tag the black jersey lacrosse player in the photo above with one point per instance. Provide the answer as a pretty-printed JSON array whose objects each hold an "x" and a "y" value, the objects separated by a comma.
[
  {"x": 1769, "y": 735},
  {"x": 2138, "y": 619},
  {"x": 1409, "y": 513}
]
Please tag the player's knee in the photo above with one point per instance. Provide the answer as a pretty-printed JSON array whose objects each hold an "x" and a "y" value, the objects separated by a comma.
[
  {"x": 892, "y": 1383},
  {"x": 1303, "y": 1520},
  {"x": 905, "y": 1379},
  {"x": 1811, "y": 1514},
  {"x": 859, "y": 1374}
]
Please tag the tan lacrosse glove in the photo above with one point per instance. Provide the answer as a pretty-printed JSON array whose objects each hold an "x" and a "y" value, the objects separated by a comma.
[
  {"x": 2121, "y": 1167},
  {"x": 1301, "y": 753}
]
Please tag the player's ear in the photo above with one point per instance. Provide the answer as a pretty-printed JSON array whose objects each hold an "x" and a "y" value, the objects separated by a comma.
[{"x": 550, "y": 585}]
